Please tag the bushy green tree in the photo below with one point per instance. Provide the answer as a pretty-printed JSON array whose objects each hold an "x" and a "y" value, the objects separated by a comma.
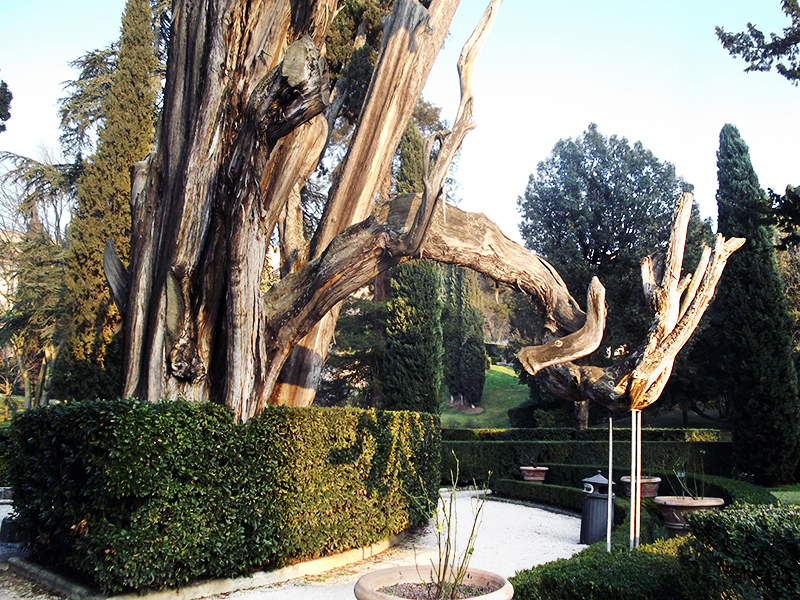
[
  {"x": 412, "y": 366},
  {"x": 754, "y": 327},
  {"x": 103, "y": 206},
  {"x": 595, "y": 207}
]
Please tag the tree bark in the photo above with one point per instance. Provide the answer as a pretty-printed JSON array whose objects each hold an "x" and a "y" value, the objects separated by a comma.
[{"x": 242, "y": 127}]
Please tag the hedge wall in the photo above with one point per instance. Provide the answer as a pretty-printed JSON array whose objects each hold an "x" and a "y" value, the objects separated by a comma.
[
  {"x": 502, "y": 459},
  {"x": 556, "y": 434},
  {"x": 721, "y": 487},
  {"x": 127, "y": 495}
]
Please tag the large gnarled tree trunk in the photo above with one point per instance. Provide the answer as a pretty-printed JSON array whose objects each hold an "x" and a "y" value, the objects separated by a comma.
[{"x": 242, "y": 129}]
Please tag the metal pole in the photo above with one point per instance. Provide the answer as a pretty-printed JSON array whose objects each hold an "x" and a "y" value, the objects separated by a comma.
[
  {"x": 633, "y": 479},
  {"x": 609, "y": 514},
  {"x": 638, "y": 477}
]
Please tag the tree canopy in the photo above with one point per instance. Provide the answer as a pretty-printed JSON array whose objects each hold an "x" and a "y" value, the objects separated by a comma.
[
  {"x": 761, "y": 54},
  {"x": 594, "y": 208}
]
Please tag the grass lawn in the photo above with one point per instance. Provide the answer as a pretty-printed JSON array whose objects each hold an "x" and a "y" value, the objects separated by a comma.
[
  {"x": 788, "y": 494},
  {"x": 501, "y": 392}
]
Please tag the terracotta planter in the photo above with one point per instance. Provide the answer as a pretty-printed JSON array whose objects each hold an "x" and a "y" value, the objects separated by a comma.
[
  {"x": 648, "y": 486},
  {"x": 368, "y": 585},
  {"x": 535, "y": 474},
  {"x": 673, "y": 508}
]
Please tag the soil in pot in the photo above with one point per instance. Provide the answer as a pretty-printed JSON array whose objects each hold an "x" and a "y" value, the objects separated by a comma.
[
  {"x": 425, "y": 591},
  {"x": 372, "y": 585}
]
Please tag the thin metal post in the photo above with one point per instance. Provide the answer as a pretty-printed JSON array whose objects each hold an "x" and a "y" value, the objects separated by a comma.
[
  {"x": 610, "y": 513},
  {"x": 638, "y": 478}
]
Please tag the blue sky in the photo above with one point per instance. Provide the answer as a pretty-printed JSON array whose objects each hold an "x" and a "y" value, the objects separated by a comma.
[{"x": 648, "y": 71}]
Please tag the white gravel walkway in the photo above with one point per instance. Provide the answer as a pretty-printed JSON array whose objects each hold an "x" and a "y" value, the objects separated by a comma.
[{"x": 511, "y": 537}]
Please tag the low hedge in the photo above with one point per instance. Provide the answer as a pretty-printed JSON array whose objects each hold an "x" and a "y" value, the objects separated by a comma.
[
  {"x": 503, "y": 459},
  {"x": 731, "y": 491},
  {"x": 568, "y": 498},
  {"x": 744, "y": 552},
  {"x": 561, "y": 434},
  {"x": 129, "y": 495},
  {"x": 5, "y": 450},
  {"x": 651, "y": 572}
]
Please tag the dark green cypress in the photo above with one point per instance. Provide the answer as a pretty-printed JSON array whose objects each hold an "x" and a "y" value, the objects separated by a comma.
[
  {"x": 412, "y": 367},
  {"x": 103, "y": 208},
  {"x": 462, "y": 325},
  {"x": 756, "y": 351}
]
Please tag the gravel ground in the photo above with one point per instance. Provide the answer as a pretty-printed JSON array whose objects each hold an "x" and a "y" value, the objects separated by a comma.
[{"x": 511, "y": 537}]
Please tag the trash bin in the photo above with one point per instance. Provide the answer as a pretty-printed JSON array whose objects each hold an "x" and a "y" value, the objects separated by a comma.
[{"x": 595, "y": 509}]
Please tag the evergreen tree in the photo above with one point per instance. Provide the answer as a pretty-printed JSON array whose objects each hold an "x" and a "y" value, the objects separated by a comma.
[
  {"x": 103, "y": 208},
  {"x": 412, "y": 365},
  {"x": 462, "y": 326},
  {"x": 30, "y": 325},
  {"x": 755, "y": 353}
]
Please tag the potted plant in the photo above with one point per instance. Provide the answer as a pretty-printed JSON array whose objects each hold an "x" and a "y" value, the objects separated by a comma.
[
  {"x": 447, "y": 579},
  {"x": 533, "y": 473},
  {"x": 648, "y": 485},
  {"x": 692, "y": 499}
]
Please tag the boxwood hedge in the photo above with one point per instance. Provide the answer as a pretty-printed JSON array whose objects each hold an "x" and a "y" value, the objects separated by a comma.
[
  {"x": 560, "y": 434},
  {"x": 128, "y": 495}
]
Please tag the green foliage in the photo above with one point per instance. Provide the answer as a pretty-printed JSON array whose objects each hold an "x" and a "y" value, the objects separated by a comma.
[
  {"x": 503, "y": 459},
  {"x": 744, "y": 552},
  {"x": 761, "y": 54},
  {"x": 647, "y": 573},
  {"x": 413, "y": 357},
  {"x": 748, "y": 343},
  {"x": 352, "y": 372},
  {"x": 103, "y": 207},
  {"x": 5, "y": 104},
  {"x": 595, "y": 207},
  {"x": 30, "y": 326},
  {"x": 126, "y": 494},
  {"x": 462, "y": 330},
  {"x": 570, "y": 433}
]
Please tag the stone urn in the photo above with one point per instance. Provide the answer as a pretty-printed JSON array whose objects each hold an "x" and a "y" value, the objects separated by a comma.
[
  {"x": 673, "y": 509},
  {"x": 648, "y": 486},
  {"x": 534, "y": 474},
  {"x": 368, "y": 585}
]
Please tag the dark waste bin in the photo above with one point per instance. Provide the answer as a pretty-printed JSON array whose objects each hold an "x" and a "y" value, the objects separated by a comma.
[{"x": 595, "y": 509}]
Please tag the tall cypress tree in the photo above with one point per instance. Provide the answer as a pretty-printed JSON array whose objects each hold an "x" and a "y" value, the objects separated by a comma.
[
  {"x": 103, "y": 208},
  {"x": 412, "y": 362},
  {"x": 755, "y": 351},
  {"x": 462, "y": 326}
]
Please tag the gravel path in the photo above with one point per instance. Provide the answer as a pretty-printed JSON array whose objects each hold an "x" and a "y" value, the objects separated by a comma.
[{"x": 511, "y": 537}]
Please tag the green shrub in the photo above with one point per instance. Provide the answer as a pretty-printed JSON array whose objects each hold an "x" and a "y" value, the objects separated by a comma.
[
  {"x": 126, "y": 494},
  {"x": 5, "y": 450},
  {"x": 652, "y": 571},
  {"x": 557, "y": 434},
  {"x": 745, "y": 552},
  {"x": 503, "y": 458},
  {"x": 594, "y": 574}
]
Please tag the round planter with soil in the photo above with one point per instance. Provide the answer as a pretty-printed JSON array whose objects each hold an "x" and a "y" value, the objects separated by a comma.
[
  {"x": 368, "y": 585},
  {"x": 673, "y": 509}
]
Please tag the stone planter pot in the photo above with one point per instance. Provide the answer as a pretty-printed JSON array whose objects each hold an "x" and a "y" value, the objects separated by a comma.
[
  {"x": 535, "y": 474},
  {"x": 368, "y": 585},
  {"x": 673, "y": 509},
  {"x": 647, "y": 485}
]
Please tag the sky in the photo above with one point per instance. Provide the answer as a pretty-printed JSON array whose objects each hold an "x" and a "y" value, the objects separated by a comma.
[{"x": 648, "y": 71}]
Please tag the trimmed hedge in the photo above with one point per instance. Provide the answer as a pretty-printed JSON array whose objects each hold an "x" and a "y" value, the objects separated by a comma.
[
  {"x": 650, "y": 572},
  {"x": 730, "y": 490},
  {"x": 5, "y": 451},
  {"x": 561, "y": 434},
  {"x": 503, "y": 459},
  {"x": 127, "y": 495},
  {"x": 569, "y": 498},
  {"x": 744, "y": 552}
]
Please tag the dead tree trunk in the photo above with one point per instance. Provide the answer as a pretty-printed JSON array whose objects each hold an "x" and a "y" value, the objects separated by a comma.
[{"x": 242, "y": 127}]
